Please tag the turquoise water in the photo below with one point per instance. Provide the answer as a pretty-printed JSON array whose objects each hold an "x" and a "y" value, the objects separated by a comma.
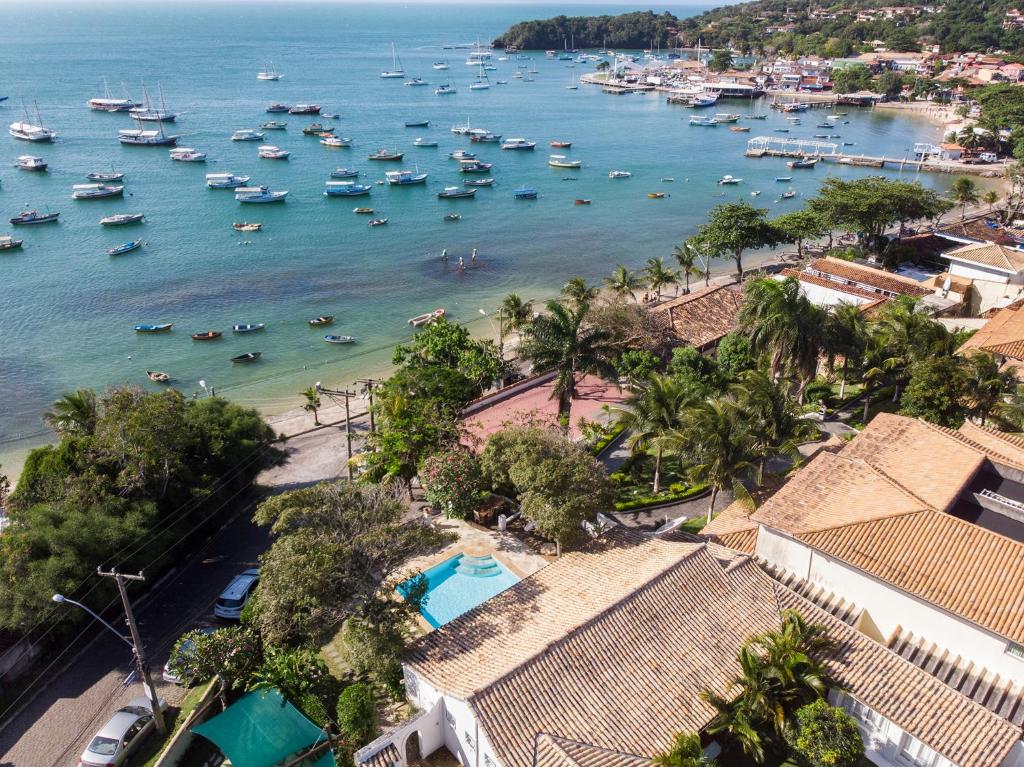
[
  {"x": 459, "y": 584},
  {"x": 68, "y": 309}
]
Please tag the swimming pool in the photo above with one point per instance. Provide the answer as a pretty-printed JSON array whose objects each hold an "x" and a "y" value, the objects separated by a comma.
[{"x": 459, "y": 584}]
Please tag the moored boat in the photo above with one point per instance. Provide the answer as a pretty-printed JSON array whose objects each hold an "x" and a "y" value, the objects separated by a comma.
[
  {"x": 317, "y": 129},
  {"x": 727, "y": 180},
  {"x": 345, "y": 189},
  {"x": 121, "y": 219},
  {"x": 581, "y": 201},
  {"x": 158, "y": 376},
  {"x": 273, "y": 125},
  {"x": 417, "y": 123},
  {"x": 259, "y": 194},
  {"x": 805, "y": 162},
  {"x": 269, "y": 152},
  {"x": 377, "y": 222},
  {"x": 560, "y": 161},
  {"x": 525, "y": 193},
  {"x": 335, "y": 142},
  {"x": 105, "y": 176},
  {"x": 445, "y": 89},
  {"x": 246, "y": 226},
  {"x": 726, "y": 117},
  {"x": 461, "y": 154},
  {"x": 25, "y": 131},
  {"x": 657, "y": 195},
  {"x": 423, "y": 319},
  {"x": 323, "y": 319},
  {"x": 478, "y": 182},
  {"x": 344, "y": 173},
  {"x": 383, "y": 155},
  {"x": 416, "y": 82},
  {"x": 140, "y": 137},
  {"x": 331, "y": 339},
  {"x": 275, "y": 108},
  {"x": 34, "y": 217},
  {"x": 518, "y": 144},
  {"x": 242, "y": 359},
  {"x": 125, "y": 247},
  {"x": 701, "y": 121},
  {"x": 95, "y": 191},
  {"x": 788, "y": 195},
  {"x": 452, "y": 217},
  {"x": 474, "y": 166},
  {"x": 31, "y": 162},
  {"x": 305, "y": 109},
  {"x": 454, "y": 193},
  {"x": 363, "y": 211},
  {"x": 247, "y": 134},
  {"x": 145, "y": 327},
  {"x": 9, "y": 243},
  {"x": 619, "y": 174},
  {"x": 423, "y": 142},
  {"x": 248, "y": 327},
  {"x": 225, "y": 180},
  {"x": 561, "y": 144},
  {"x": 207, "y": 335},
  {"x": 783, "y": 178},
  {"x": 404, "y": 177},
  {"x": 187, "y": 154}
]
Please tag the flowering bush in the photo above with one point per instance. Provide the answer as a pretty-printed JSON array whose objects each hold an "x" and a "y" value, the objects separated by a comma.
[{"x": 452, "y": 482}]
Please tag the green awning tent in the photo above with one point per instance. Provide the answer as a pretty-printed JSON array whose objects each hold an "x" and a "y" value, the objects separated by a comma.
[{"x": 263, "y": 729}]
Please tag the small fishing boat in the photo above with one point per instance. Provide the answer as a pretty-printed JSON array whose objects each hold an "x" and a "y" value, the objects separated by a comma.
[
  {"x": 461, "y": 154},
  {"x": 781, "y": 130},
  {"x": 245, "y": 226},
  {"x": 248, "y": 327},
  {"x": 848, "y": 143},
  {"x": 561, "y": 144},
  {"x": 323, "y": 319},
  {"x": 121, "y": 219},
  {"x": 740, "y": 129},
  {"x": 316, "y": 129},
  {"x": 340, "y": 339},
  {"x": 345, "y": 189},
  {"x": 784, "y": 179},
  {"x": 480, "y": 136},
  {"x": 417, "y": 124},
  {"x": 9, "y": 243},
  {"x": 807, "y": 162},
  {"x": 462, "y": 130},
  {"x": 158, "y": 376},
  {"x": 820, "y": 135},
  {"x": 726, "y": 117},
  {"x": 755, "y": 117},
  {"x": 525, "y": 193},
  {"x": 31, "y": 162},
  {"x": 455, "y": 193},
  {"x": 305, "y": 109},
  {"x": 243, "y": 359},
  {"x": 146, "y": 327},
  {"x": 429, "y": 317},
  {"x": 560, "y": 161},
  {"x": 259, "y": 194},
  {"x": 274, "y": 125},
  {"x": 518, "y": 144},
  {"x": 756, "y": 193},
  {"x": 269, "y": 152},
  {"x": 95, "y": 191},
  {"x": 140, "y": 137},
  {"x": 478, "y": 182},
  {"x": 452, "y": 217},
  {"x": 330, "y": 115},
  {"x": 445, "y": 89},
  {"x": 787, "y": 195},
  {"x": 34, "y": 217},
  {"x": 726, "y": 180},
  {"x": 440, "y": 65},
  {"x": 275, "y": 107},
  {"x": 125, "y": 247},
  {"x": 377, "y": 222},
  {"x": 187, "y": 154},
  {"x": 225, "y": 180},
  {"x": 383, "y": 155},
  {"x": 363, "y": 211},
  {"x": 702, "y": 121},
  {"x": 207, "y": 335},
  {"x": 423, "y": 142},
  {"x": 474, "y": 166},
  {"x": 344, "y": 173},
  {"x": 581, "y": 202},
  {"x": 657, "y": 195},
  {"x": 404, "y": 177},
  {"x": 416, "y": 82},
  {"x": 247, "y": 134},
  {"x": 105, "y": 176},
  {"x": 619, "y": 174}
]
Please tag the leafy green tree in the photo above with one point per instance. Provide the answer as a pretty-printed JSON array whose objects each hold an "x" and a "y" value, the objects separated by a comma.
[
  {"x": 964, "y": 191},
  {"x": 578, "y": 292},
  {"x": 800, "y": 225},
  {"x": 851, "y": 79},
  {"x": 903, "y": 39},
  {"x": 968, "y": 138},
  {"x": 357, "y": 714},
  {"x": 686, "y": 751},
  {"x": 234, "y": 653},
  {"x": 334, "y": 545},
  {"x": 721, "y": 60},
  {"x": 736, "y": 723},
  {"x": 659, "y": 276},
  {"x": 697, "y": 373},
  {"x": 636, "y": 366},
  {"x": 990, "y": 198},
  {"x": 889, "y": 84},
  {"x": 562, "y": 341},
  {"x": 376, "y": 639},
  {"x": 936, "y": 392},
  {"x": 827, "y": 736},
  {"x": 987, "y": 384},
  {"x": 312, "y": 404},
  {"x": 452, "y": 482},
  {"x": 449, "y": 345},
  {"x": 735, "y": 227},
  {"x": 302, "y": 677},
  {"x": 734, "y": 355},
  {"x": 650, "y": 414},
  {"x": 623, "y": 282},
  {"x": 846, "y": 337},
  {"x": 75, "y": 413}
]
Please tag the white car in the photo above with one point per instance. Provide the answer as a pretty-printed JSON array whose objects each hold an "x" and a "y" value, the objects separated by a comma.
[
  {"x": 121, "y": 737},
  {"x": 230, "y": 603},
  {"x": 185, "y": 649}
]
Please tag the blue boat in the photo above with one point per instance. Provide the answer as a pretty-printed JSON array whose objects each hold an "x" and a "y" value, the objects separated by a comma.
[
  {"x": 417, "y": 123},
  {"x": 525, "y": 193},
  {"x": 125, "y": 247},
  {"x": 145, "y": 327},
  {"x": 345, "y": 189},
  {"x": 344, "y": 173}
]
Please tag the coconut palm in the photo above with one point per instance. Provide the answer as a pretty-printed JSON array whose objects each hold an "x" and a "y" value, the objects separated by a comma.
[
  {"x": 965, "y": 192},
  {"x": 578, "y": 292},
  {"x": 771, "y": 417},
  {"x": 561, "y": 341},
  {"x": 623, "y": 282},
  {"x": 686, "y": 751},
  {"x": 660, "y": 276},
  {"x": 846, "y": 337},
  {"x": 312, "y": 404},
  {"x": 650, "y": 414},
  {"x": 733, "y": 720},
  {"x": 686, "y": 257},
  {"x": 74, "y": 414},
  {"x": 968, "y": 138},
  {"x": 990, "y": 198},
  {"x": 987, "y": 383},
  {"x": 903, "y": 336},
  {"x": 515, "y": 312}
]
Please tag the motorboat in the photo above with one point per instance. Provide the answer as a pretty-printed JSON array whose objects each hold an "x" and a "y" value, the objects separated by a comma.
[
  {"x": 275, "y": 107},
  {"x": 95, "y": 191},
  {"x": 225, "y": 180},
  {"x": 259, "y": 194},
  {"x": 805, "y": 162},
  {"x": 109, "y": 104},
  {"x": 440, "y": 65},
  {"x": 796, "y": 107},
  {"x": 336, "y": 142},
  {"x": 787, "y": 195},
  {"x": 461, "y": 130},
  {"x": 478, "y": 182},
  {"x": 396, "y": 72},
  {"x": 247, "y": 134},
  {"x": 122, "y": 219},
  {"x": 141, "y": 137},
  {"x": 619, "y": 174},
  {"x": 560, "y": 161},
  {"x": 561, "y": 144},
  {"x": 344, "y": 173},
  {"x": 450, "y": 217},
  {"x": 525, "y": 193},
  {"x": 246, "y": 226},
  {"x": 146, "y": 327},
  {"x": 207, "y": 335},
  {"x": 727, "y": 180},
  {"x": 445, "y": 89},
  {"x": 416, "y": 82},
  {"x": 105, "y": 176},
  {"x": 248, "y": 327},
  {"x": 377, "y": 222},
  {"x": 383, "y": 155},
  {"x": 270, "y": 152},
  {"x": 246, "y": 358},
  {"x": 518, "y": 144},
  {"x": 30, "y": 217},
  {"x": 425, "y": 319},
  {"x": 363, "y": 211},
  {"x": 323, "y": 319},
  {"x": 461, "y": 154},
  {"x": 331, "y": 339},
  {"x": 455, "y": 193},
  {"x": 784, "y": 179},
  {"x": 405, "y": 177},
  {"x": 474, "y": 166},
  {"x": 425, "y": 143},
  {"x": 740, "y": 129},
  {"x": 158, "y": 376},
  {"x": 581, "y": 201},
  {"x": 274, "y": 125},
  {"x": 305, "y": 109},
  {"x": 125, "y": 247},
  {"x": 9, "y": 243},
  {"x": 702, "y": 121},
  {"x": 31, "y": 162},
  {"x": 317, "y": 129},
  {"x": 479, "y": 136},
  {"x": 704, "y": 101},
  {"x": 657, "y": 195},
  {"x": 346, "y": 189},
  {"x": 417, "y": 123},
  {"x": 726, "y": 117},
  {"x": 187, "y": 154}
]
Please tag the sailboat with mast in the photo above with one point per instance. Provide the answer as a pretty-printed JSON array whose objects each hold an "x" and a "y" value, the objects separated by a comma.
[
  {"x": 482, "y": 83},
  {"x": 147, "y": 113},
  {"x": 396, "y": 70},
  {"x": 268, "y": 73},
  {"x": 141, "y": 137},
  {"x": 110, "y": 104},
  {"x": 34, "y": 132}
]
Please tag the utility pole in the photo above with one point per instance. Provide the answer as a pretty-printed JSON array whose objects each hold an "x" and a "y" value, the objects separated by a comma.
[
  {"x": 158, "y": 715},
  {"x": 334, "y": 394},
  {"x": 368, "y": 386}
]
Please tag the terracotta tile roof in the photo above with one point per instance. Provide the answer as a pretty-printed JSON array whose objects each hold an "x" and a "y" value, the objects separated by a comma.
[
  {"x": 702, "y": 317},
  {"x": 553, "y": 751},
  {"x": 733, "y": 527},
  {"x": 876, "y": 278},
  {"x": 926, "y": 244},
  {"x": 1000, "y": 257},
  {"x": 976, "y": 229},
  {"x": 839, "y": 287},
  {"x": 1001, "y": 442},
  {"x": 1002, "y": 334},
  {"x": 386, "y": 757}
]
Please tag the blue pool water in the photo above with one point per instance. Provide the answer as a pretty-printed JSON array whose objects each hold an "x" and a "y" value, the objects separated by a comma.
[{"x": 459, "y": 584}]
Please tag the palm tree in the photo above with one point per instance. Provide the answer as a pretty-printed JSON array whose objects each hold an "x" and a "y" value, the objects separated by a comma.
[
  {"x": 623, "y": 282},
  {"x": 987, "y": 384},
  {"x": 968, "y": 138},
  {"x": 903, "y": 336},
  {"x": 734, "y": 720},
  {"x": 660, "y": 276},
  {"x": 965, "y": 192},
  {"x": 578, "y": 292},
  {"x": 990, "y": 198},
  {"x": 560, "y": 341},
  {"x": 846, "y": 337},
  {"x": 686, "y": 257},
  {"x": 312, "y": 405},
  {"x": 74, "y": 414},
  {"x": 650, "y": 414},
  {"x": 771, "y": 417},
  {"x": 516, "y": 313},
  {"x": 686, "y": 751}
]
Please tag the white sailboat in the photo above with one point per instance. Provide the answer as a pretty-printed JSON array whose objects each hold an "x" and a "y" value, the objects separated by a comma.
[
  {"x": 482, "y": 83},
  {"x": 269, "y": 73},
  {"x": 147, "y": 113},
  {"x": 396, "y": 70},
  {"x": 34, "y": 132}
]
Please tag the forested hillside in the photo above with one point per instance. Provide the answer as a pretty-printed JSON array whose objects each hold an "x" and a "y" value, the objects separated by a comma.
[{"x": 630, "y": 30}]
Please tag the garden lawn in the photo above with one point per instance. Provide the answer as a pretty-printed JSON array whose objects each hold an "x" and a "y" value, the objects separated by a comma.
[{"x": 633, "y": 484}]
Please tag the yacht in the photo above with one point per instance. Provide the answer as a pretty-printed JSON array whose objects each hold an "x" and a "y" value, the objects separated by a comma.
[
  {"x": 225, "y": 180},
  {"x": 247, "y": 134},
  {"x": 345, "y": 189},
  {"x": 34, "y": 132},
  {"x": 187, "y": 154},
  {"x": 140, "y": 137},
  {"x": 619, "y": 174},
  {"x": 416, "y": 82},
  {"x": 31, "y": 162},
  {"x": 428, "y": 143},
  {"x": 269, "y": 152},
  {"x": 518, "y": 144},
  {"x": 461, "y": 154},
  {"x": 121, "y": 219},
  {"x": 727, "y": 180},
  {"x": 109, "y": 104},
  {"x": 442, "y": 65},
  {"x": 148, "y": 113},
  {"x": 405, "y": 177},
  {"x": 462, "y": 130},
  {"x": 257, "y": 194},
  {"x": 444, "y": 89},
  {"x": 268, "y": 74},
  {"x": 95, "y": 191},
  {"x": 396, "y": 70}
]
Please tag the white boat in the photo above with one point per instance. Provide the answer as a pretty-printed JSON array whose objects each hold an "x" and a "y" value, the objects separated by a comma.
[
  {"x": 416, "y": 82},
  {"x": 187, "y": 154},
  {"x": 270, "y": 152},
  {"x": 396, "y": 70},
  {"x": 619, "y": 174},
  {"x": 336, "y": 141},
  {"x": 120, "y": 219},
  {"x": 344, "y": 173},
  {"x": 560, "y": 161},
  {"x": 462, "y": 130},
  {"x": 258, "y": 194},
  {"x": 422, "y": 142},
  {"x": 727, "y": 180},
  {"x": 708, "y": 122},
  {"x": 518, "y": 144},
  {"x": 109, "y": 104},
  {"x": 140, "y": 137},
  {"x": 444, "y": 89},
  {"x": 332, "y": 339},
  {"x": 482, "y": 83},
  {"x": 34, "y": 132},
  {"x": 247, "y": 134},
  {"x": 704, "y": 101},
  {"x": 269, "y": 73},
  {"x": 31, "y": 162},
  {"x": 726, "y": 117},
  {"x": 461, "y": 154},
  {"x": 148, "y": 113},
  {"x": 423, "y": 319},
  {"x": 225, "y": 180},
  {"x": 95, "y": 191},
  {"x": 441, "y": 65},
  {"x": 404, "y": 177}
]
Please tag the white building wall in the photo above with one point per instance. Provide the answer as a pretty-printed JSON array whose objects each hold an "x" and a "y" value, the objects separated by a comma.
[
  {"x": 890, "y": 608},
  {"x": 822, "y": 296},
  {"x": 977, "y": 272}
]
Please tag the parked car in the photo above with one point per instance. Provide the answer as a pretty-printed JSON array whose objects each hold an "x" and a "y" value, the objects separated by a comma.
[
  {"x": 184, "y": 649},
  {"x": 230, "y": 603},
  {"x": 122, "y": 736}
]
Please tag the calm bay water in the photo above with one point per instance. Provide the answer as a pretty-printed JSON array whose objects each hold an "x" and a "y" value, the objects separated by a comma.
[{"x": 67, "y": 309}]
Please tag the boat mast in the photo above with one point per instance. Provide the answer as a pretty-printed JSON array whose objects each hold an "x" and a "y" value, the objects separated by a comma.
[{"x": 39, "y": 118}]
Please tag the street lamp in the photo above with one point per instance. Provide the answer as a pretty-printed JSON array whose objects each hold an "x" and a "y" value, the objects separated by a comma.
[{"x": 61, "y": 599}]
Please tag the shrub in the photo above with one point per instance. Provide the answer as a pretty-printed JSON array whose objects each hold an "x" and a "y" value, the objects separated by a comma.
[
  {"x": 818, "y": 391},
  {"x": 452, "y": 482},
  {"x": 827, "y": 736},
  {"x": 357, "y": 714}
]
